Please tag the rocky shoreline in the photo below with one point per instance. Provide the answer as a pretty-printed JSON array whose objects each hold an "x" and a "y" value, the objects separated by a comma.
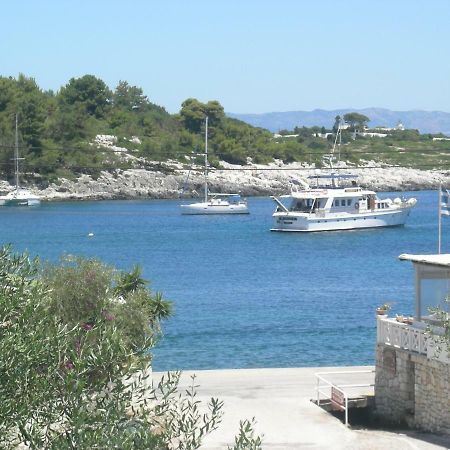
[{"x": 172, "y": 180}]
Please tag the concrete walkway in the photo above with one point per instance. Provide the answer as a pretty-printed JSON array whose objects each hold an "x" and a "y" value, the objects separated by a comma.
[{"x": 279, "y": 399}]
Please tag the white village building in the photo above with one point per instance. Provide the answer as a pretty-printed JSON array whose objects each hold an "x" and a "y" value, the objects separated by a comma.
[{"x": 412, "y": 383}]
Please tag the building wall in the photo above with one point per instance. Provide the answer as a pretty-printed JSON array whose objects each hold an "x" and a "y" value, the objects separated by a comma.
[{"x": 411, "y": 388}]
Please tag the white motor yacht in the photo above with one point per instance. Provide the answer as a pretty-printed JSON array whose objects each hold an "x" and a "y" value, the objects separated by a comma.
[
  {"x": 337, "y": 203},
  {"x": 338, "y": 208},
  {"x": 218, "y": 203}
]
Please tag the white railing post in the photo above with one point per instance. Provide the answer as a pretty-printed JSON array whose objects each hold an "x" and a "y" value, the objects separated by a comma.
[
  {"x": 318, "y": 390},
  {"x": 346, "y": 408}
]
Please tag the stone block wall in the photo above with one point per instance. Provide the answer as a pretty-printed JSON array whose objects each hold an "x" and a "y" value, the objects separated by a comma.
[{"x": 411, "y": 388}]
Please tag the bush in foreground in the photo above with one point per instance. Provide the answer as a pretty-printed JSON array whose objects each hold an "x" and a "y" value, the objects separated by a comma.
[{"x": 71, "y": 364}]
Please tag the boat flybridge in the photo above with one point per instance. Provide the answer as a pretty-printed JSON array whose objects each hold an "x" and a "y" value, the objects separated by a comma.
[
  {"x": 19, "y": 196},
  {"x": 336, "y": 202},
  {"x": 215, "y": 203}
]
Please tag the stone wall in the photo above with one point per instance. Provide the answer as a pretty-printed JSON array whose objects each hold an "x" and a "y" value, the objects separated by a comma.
[{"x": 412, "y": 389}]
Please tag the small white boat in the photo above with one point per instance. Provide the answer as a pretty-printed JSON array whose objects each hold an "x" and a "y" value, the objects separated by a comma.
[
  {"x": 331, "y": 205},
  {"x": 19, "y": 196},
  {"x": 218, "y": 204},
  {"x": 215, "y": 203}
]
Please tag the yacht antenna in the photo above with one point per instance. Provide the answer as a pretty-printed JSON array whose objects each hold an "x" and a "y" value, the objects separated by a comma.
[
  {"x": 337, "y": 143},
  {"x": 206, "y": 159}
]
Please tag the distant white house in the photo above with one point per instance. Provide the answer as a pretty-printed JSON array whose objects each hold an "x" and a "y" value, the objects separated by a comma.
[
  {"x": 398, "y": 127},
  {"x": 371, "y": 134},
  {"x": 277, "y": 135},
  {"x": 322, "y": 135},
  {"x": 376, "y": 132}
]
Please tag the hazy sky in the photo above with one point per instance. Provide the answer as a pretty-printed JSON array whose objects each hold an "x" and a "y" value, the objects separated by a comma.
[{"x": 251, "y": 55}]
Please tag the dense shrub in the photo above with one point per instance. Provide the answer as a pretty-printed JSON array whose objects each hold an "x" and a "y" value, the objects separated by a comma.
[{"x": 71, "y": 365}]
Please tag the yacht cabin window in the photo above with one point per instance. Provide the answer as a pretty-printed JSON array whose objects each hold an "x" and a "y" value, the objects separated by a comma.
[{"x": 342, "y": 202}]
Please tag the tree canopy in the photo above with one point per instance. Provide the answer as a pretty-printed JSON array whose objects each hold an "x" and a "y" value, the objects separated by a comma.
[
  {"x": 356, "y": 120},
  {"x": 57, "y": 131}
]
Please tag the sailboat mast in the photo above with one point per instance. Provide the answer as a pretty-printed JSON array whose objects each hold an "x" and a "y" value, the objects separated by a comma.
[
  {"x": 16, "y": 155},
  {"x": 206, "y": 159}
]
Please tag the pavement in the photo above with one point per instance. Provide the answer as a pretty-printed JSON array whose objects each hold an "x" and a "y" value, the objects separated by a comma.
[{"x": 280, "y": 401}]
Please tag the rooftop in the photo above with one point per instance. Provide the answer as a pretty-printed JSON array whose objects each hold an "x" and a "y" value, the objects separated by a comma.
[{"x": 435, "y": 260}]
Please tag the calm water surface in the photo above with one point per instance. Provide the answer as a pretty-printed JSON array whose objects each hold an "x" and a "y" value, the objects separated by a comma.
[{"x": 244, "y": 297}]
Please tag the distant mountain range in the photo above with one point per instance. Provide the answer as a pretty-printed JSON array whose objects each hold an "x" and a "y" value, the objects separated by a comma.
[{"x": 424, "y": 121}]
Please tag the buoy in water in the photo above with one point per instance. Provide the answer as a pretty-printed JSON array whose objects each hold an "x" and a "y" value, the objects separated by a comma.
[{"x": 91, "y": 234}]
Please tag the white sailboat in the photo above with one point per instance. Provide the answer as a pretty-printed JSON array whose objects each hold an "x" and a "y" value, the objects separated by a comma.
[
  {"x": 19, "y": 196},
  {"x": 332, "y": 205},
  {"x": 215, "y": 203}
]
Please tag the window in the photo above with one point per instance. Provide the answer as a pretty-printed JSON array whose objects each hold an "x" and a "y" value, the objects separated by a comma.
[
  {"x": 343, "y": 202},
  {"x": 349, "y": 201}
]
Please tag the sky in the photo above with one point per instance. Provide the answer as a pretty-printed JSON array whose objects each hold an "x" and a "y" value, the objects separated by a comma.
[{"x": 253, "y": 56}]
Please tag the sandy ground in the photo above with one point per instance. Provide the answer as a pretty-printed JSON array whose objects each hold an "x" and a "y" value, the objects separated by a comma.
[{"x": 280, "y": 401}]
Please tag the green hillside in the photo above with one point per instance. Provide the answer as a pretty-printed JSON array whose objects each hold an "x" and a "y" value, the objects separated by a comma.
[{"x": 57, "y": 131}]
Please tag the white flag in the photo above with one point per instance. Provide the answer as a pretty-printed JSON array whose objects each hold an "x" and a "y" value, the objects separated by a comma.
[{"x": 445, "y": 202}]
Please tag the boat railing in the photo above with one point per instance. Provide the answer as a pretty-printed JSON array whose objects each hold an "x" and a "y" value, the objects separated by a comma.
[{"x": 320, "y": 212}]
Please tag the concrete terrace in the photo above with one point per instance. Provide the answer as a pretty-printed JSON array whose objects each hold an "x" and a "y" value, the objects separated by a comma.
[{"x": 280, "y": 400}]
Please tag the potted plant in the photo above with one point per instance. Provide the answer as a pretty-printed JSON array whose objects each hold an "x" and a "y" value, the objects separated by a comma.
[{"x": 383, "y": 309}]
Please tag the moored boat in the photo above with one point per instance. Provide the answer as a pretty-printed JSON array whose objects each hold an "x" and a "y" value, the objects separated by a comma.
[
  {"x": 218, "y": 203},
  {"x": 336, "y": 202},
  {"x": 19, "y": 196},
  {"x": 338, "y": 208}
]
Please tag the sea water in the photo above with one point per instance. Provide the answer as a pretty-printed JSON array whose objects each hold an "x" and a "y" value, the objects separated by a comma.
[{"x": 243, "y": 296}]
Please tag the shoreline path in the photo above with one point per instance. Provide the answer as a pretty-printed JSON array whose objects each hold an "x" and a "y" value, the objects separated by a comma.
[{"x": 280, "y": 401}]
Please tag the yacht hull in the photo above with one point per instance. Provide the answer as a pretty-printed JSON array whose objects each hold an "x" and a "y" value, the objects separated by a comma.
[
  {"x": 289, "y": 221},
  {"x": 207, "y": 208}
]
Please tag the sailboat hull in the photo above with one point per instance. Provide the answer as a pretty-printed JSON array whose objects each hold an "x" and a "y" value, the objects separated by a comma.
[
  {"x": 214, "y": 208},
  {"x": 20, "y": 198}
]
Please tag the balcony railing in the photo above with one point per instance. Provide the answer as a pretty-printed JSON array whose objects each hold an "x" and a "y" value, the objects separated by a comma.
[{"x": 414, "y": 338}]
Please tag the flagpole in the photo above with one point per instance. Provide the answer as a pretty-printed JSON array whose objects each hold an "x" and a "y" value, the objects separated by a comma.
[{"x": 440, "y": 218}]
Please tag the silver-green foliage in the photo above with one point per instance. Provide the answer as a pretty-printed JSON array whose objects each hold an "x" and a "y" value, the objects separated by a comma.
[
  {"x": 247, "y": 439},
  {"x": 441, "y": 331},
  {"x": 74, "y": 379}
]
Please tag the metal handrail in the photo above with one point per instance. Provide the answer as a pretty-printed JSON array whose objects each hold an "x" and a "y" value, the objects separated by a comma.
[{"x": 329, "y": 384}]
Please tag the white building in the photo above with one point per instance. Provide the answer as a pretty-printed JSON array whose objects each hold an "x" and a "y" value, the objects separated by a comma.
[{"x": 412, "y": 383}]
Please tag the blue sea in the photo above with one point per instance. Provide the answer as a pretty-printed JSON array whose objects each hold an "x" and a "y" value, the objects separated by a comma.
[{"x": 243, "y": 296}]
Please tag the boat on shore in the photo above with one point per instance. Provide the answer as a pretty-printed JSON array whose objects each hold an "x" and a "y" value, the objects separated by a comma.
[
  {"x": 215, "y": 203},
  {"x": 336, "y": 202},
  {"x": 19, "y": 196}
]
